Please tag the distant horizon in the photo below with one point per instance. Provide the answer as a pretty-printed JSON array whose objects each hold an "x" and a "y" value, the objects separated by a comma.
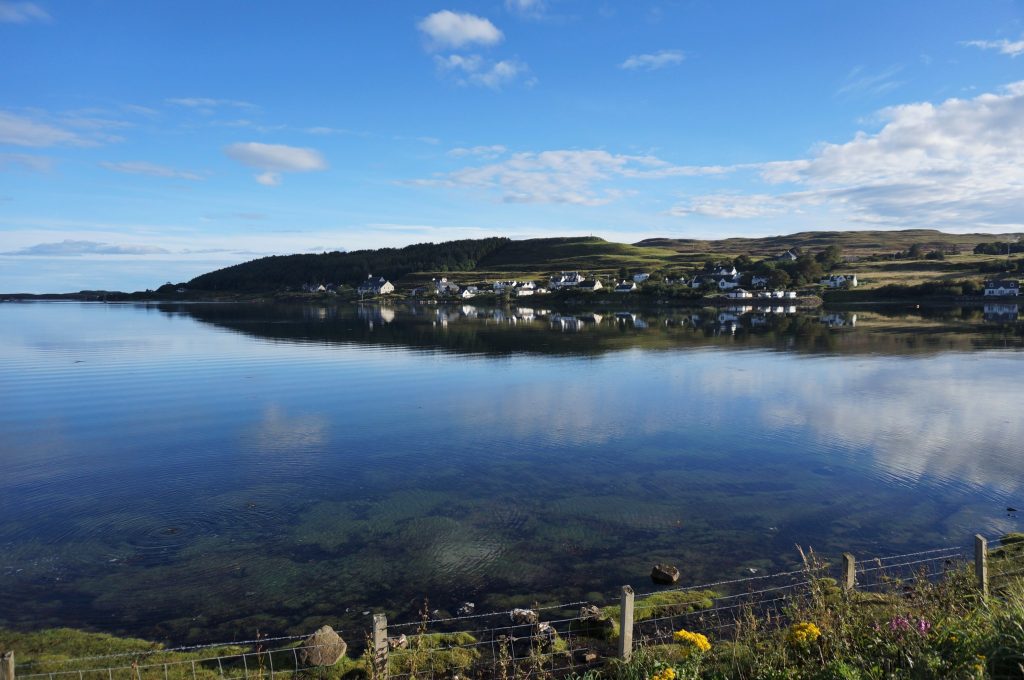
[{"x": 138, "y": 138}]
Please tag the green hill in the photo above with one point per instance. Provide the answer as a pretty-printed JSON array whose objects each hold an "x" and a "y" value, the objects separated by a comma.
[
  {"x": 872, "y": 255},
  {"x": 572, "y": 253},
  {"x": 858, "y": 243}
]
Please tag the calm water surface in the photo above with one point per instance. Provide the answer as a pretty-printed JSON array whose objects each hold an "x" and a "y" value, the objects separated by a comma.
[{"x": 194, "y": 473}]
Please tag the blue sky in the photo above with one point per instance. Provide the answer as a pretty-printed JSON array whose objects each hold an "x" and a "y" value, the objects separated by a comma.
[{"x": 142, "y": 142}]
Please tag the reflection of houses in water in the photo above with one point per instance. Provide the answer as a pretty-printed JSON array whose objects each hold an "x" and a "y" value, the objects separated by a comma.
[
  {"x": 372, "y": 315},
  {"x": 319, "y": 313},
  {"x": 630, "y": 319},
  {"x": 566, "y": 324},
  {"x": 839, "y": 320},
  {"x": 1000, "y": 312},
  {"x": 574, "y": 324}
]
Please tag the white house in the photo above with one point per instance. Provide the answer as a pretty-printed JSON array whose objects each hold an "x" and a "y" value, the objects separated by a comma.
[
  {"x": 739, "y": 294},
  {"x": 625, "y": 287},
  {"x": 566, "y": 280},
  {"x": 375, "y": 286},
  {"x": 468, "y": 292},
  {"x": 729, "y": 282},
  {"x": 502, "y": 285},
  {"x": 725, "y": 270},
  {"x": 641, "y": 277},
  {"x": 443, "y": 286},
  {"x": 589, "y": 286},
  {"x": 788, "y": 256},
  {"x": 840, "y": 281},
  {"x": 759, "y": 280},
  {"x": 1002, "y": 288},
  {"x": 789, "y": 295}
]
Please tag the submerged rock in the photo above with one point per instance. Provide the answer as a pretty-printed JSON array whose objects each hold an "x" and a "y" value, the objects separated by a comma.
[
  {"x": 523, "y": 617},
  {"x": 664, "y": 573},
  {"x": 592, "y": 622},
  {"x": 322, "y": 648}
]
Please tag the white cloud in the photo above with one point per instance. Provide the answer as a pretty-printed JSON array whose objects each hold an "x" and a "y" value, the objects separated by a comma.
[
  {"x": 527, "y": 8},
  {"x": 151, "y": 169},
  {"x": 740, "y": 206},
  {"x": 447, "y": 29},
  {"x": 25, "y": 161},
  {"x": 492, "y": 151},
  {"x": 957, "y": 163},
  {"x": 22, "y": 12},
  {"x": 1013, "y": 48},
  {"x": 859, "y": 82},
  {"x": 209, "y": 105},
  {"x": 22, "y": 131},
  {"x": 275, "y": 159},
  {"x": 579, "y": 177},
  {"x": 475, "y": 70},
  {"x": 651, "y": 62},
  {"x": 72, "y": 248}
]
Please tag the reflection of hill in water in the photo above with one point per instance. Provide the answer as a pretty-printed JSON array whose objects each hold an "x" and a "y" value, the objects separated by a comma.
[{"x": 502, "y": 331}]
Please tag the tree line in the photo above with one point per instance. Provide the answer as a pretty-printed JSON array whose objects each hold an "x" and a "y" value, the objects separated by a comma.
[{"x": 280, "y": 272}]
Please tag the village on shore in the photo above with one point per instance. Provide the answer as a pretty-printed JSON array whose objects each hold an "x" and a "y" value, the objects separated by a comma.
[{"x": 717, "y": 280}]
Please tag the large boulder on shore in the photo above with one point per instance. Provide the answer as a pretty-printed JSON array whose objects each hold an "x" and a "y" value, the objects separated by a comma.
[
  {"x": 322, "y": 648},
  {"x": 665, "y": 574}
]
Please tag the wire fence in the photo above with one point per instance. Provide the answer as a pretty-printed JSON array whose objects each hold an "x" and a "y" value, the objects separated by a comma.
[{"x": 553, "y": 639}]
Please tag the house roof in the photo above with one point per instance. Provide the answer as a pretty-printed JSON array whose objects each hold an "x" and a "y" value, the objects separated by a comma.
[{"x": 1002, "y": 283}]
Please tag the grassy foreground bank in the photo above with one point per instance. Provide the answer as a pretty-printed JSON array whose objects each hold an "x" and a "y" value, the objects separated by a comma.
[{"x": 913, "y": 629}]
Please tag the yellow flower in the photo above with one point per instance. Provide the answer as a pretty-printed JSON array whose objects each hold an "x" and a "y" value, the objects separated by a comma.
[
  {"x": 803, "y": 633},
  {"x": 694, "y": 640},
  {"x": 667, "y": 674}
]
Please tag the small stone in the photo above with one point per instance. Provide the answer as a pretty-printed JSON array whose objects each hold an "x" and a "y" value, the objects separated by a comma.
[
  {"x": 589, "y": 611},
  {"x": 546, "y": 634},
  {"x": 400, "y": 642},
  {"x": 664, "y": 573},
  {"x": 524, "y": 617},
  {"x": 322, "y": 648},
  {"x": 585, "y": 656},
  {"x": 1011, "y": 509}
]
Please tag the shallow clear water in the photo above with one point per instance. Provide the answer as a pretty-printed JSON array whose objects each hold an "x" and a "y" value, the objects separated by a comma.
[{"x": 196, "y": 472}]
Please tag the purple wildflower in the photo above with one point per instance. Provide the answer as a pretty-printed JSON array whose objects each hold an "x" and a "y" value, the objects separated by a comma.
[
  {"x": 923, "y": 626},
  {"x": 900, "y": 623}
]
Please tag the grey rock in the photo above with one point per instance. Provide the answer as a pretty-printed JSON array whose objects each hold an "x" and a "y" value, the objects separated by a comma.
[
  {"x": 400, "y": 642},
  {"x": 664, "y": 573},
  {"x": 523, "y": 617},
  {"x": 322, "y": 648},
  {"x": 465, "y": 609}
]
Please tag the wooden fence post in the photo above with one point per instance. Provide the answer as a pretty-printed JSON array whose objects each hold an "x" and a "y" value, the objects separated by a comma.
[
  {"x": 849, "y": 571},
  {"x": 7, "y": 666},
  {"x": 380, "y": 646},
  {"x": 981, "y": 563},
  {"x": 626, "y": 624}
]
